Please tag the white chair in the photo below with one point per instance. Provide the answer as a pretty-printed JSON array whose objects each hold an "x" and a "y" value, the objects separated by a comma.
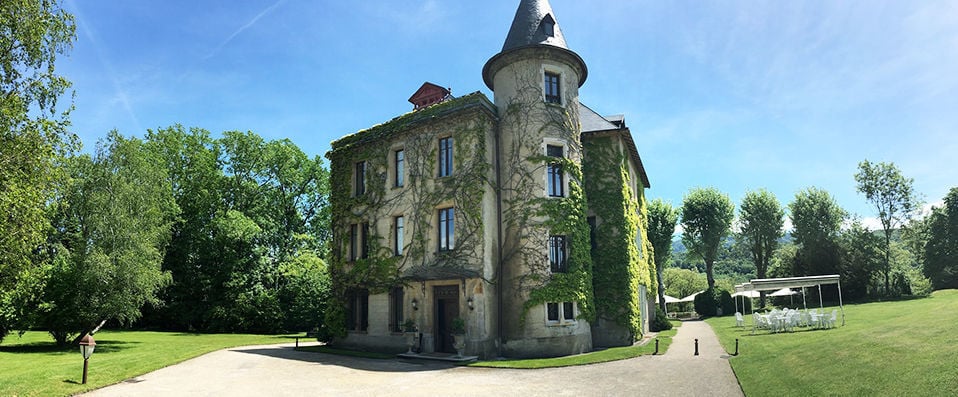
[
  {"x": 739, "y": 320},
  {"x": 831, "y": 320}
]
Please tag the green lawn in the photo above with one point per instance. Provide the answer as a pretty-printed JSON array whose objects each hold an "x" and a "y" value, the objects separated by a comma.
[
  {"x": 601, "y": 356},
  {"x": 34, "y": 366},
  {"x": 886, "y": 348}
]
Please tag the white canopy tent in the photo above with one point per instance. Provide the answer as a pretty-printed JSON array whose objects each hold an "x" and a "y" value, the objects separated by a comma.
[
  {"x": 773, "y": 284},
  {"x": 691, "y": 298},
  {"x": 670, "y": 299}
]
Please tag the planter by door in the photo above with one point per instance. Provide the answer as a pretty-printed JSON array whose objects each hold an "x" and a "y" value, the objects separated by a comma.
[{"x": 447, "y": 308}]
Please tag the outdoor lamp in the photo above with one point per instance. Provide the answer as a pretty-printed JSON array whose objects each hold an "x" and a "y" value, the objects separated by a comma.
[
  {"x": 472, "y": 306},
  {"x": 87, "y": 344},
  {"x": 415, "y": 304}
]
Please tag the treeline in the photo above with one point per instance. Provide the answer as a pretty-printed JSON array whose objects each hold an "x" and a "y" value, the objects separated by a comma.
[
  {"x": 912, "y": 254},
  {"x": 181, "y": 231}
]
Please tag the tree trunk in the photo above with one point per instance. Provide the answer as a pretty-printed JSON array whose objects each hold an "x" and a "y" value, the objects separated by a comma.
[
  {"x": 887, "y": 260},
  {"x": 658, "y": 274},
  {"x": 708, "y": 274}
]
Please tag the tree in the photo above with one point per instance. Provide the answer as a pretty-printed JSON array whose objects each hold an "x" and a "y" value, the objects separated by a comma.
[
  {"x": 941, "y": 252},
  {"x": 892, "y": 194},
  {"x": 662, "y": 218},
  {"x": 706, "y": 219},
  {"x": 762, "y": 219},
  {"x": 817, "y": 220},
  {"x": 861, "y": 258},
  {"x": 33, "y": 142},
  {"x": 112, "y": 224}
]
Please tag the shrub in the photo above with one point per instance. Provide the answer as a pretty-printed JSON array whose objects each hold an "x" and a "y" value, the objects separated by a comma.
[
  {"x": 705, "y": 303},
  {"x": 725, "y": 302},
  {"x": 660, "y": 322}
]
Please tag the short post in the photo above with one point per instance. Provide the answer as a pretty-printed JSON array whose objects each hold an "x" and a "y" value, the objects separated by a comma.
[
  {"x": 736, "y": 347},
  {"x": 87, "y": 345},
  {"x": 297, "y": 343},
  {"x": 656, "y": 347},
  {"x": 696, "y": 346}
]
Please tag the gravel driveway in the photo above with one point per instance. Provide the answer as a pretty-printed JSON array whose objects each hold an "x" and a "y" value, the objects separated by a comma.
[{"x": 278, "y": 370}]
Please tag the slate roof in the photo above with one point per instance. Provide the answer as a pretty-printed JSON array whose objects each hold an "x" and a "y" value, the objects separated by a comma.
[
  {"x": 525, "y": 30},
  {"x": 589, "y": 120}
]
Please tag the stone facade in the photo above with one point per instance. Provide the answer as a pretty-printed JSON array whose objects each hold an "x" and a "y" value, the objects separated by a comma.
[{"x": 477, "y": 209}]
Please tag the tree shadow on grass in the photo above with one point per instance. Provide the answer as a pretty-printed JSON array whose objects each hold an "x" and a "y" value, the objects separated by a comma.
[
  {"x": 104, "y": 346},
  {"x": 357, "y": 363}
]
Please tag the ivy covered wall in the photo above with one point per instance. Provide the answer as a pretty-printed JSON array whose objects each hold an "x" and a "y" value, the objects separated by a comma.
[{"x": 622, "y": 254}]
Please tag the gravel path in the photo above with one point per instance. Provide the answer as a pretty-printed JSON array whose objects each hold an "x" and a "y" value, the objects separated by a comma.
[{"x": 278, "y": 370}]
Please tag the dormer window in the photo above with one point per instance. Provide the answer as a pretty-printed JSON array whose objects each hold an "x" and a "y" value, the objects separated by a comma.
[{"x": 548, "y": 26}]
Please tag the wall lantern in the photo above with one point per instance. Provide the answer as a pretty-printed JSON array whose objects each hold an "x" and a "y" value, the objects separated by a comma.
[
  {"x": 415, "y": 304},
  {"x": 87, "y": 344},
  {"x": 470, "y": 303}
]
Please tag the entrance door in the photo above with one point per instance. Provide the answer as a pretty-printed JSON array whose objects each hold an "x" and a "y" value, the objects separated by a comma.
[{"x": 447, "y": 308}]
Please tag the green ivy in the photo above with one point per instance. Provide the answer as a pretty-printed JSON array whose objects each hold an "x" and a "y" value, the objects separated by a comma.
[
  {"x": 418, "y": 131},
  {"x": 620, "y": 267}
]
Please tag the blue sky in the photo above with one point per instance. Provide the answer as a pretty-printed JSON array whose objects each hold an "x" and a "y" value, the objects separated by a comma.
[{"x": 739, "y": 95}]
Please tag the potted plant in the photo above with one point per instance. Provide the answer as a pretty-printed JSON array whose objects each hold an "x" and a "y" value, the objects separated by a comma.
[
  {"x": 458, "y": 329},
  {"x": 409, "y": 328}
]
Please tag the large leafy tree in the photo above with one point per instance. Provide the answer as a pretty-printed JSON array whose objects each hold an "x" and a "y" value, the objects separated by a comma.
[
  {"x": 817, "y": 219},
  {"x": 941, "y": 251},
  {"x": 707, "y": 216},
  {"x": 33, "y": 141},
  {"x": 893, "y": 197},
  {"x": 762, "y": 221},
  {"x": 112, "y": 226},
  {"x": 662, "y": 219},
  {"x": 861, "y": 259}
]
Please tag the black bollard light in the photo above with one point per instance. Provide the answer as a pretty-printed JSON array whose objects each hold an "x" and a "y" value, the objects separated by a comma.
[
  {"x": 736, "y": 347},
  {"x": 696, "y": 347},
  {"x": 656, "y": 347}
]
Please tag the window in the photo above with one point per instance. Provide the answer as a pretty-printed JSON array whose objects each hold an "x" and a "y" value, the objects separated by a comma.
[
  {"x": 548, "y": 26},
  {"x": 357, "y": 310},
  {"x": 360, "y": 178},
  {"x": 395, "y": 309},
  {"x": 567, "y": 311},
  {"x": 552, "y": 88},
  {"x": 445, "y": 156},
  {"x": 557, "y": 254},
  {"x": 398, "y": 226},
  {"x": 556, "y": 184},
  {"x": 560, "y": 312},
  {"x": 358, "y": 241},
  {"x": 400, "y": 159},
  {"x": 446, "y": 229}
]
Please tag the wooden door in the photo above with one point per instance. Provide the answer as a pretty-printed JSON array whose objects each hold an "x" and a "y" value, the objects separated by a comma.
[{"x": 447, "y": 308}]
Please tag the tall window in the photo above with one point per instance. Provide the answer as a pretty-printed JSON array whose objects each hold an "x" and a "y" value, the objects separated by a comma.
[
  {"x": 357, "y": 310},
  {"x": 557, "y": 254},
  {"x": 358, "y": 241},
  {"x": 400, "y": 158},
  {"x": 445, "y": 156},
  {"x": 360, "y": 178},
  {"x": 395, "y": 309},
  {"x": 447, "y": 229},
  {"x": 560, "y": 312},
  {"x": 556, "y": 185},
  {"x": 552, "y": 88},
  {"x": 398, "y": 226}
]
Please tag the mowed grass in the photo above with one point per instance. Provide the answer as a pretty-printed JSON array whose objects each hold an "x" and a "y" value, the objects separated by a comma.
[
  {"x": 907, "y": 348},
  {"x": 34, "y": 366},
  {"x": 601, "y": 356}
]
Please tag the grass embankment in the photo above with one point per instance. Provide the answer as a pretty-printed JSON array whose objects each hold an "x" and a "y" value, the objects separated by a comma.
[
  {"x": 885, "y": 348},
  {"x": 601, "y": 356},
  {"x": 34, "y": 366}
]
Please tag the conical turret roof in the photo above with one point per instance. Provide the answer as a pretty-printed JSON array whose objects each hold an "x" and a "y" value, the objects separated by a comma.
[
  {"x": 534, "y": 28},
  {"x": 531, "y": 26}
]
